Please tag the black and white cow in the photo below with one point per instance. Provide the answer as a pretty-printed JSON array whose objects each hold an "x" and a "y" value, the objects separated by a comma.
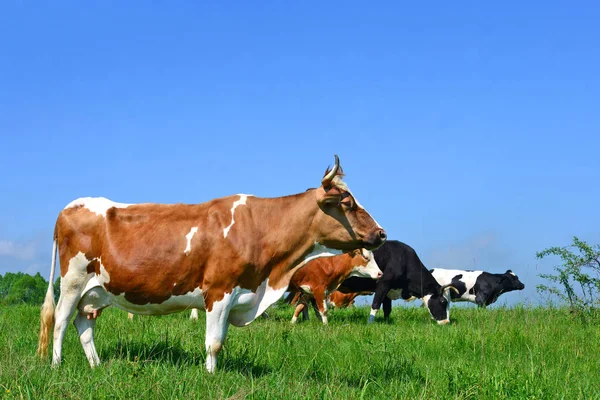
[
  {"x": 479, "y": 287},
  {"x": 404, "y": 276}
]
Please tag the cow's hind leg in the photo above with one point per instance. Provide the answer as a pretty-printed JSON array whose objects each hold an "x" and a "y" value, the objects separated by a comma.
[
  {"x": 217, "y": 325},
  {"x": 71, "y": 288},
  {"x": 89, "y": 307}
]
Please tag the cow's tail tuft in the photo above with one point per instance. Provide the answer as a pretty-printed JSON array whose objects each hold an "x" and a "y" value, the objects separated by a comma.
[{"x": 47, "y": 313}]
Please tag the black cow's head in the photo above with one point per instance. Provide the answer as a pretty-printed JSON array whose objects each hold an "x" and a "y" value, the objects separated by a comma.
[
  {"x": 438, "y": 304},
  {"x": 509, "y": 281}
]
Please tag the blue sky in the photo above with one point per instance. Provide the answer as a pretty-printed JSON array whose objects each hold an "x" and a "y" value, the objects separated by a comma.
[{"x": 470, "y": 132}]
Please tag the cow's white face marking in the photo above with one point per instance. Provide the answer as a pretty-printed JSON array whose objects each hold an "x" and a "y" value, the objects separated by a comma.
[
  {"x": 97, "y": 205},
  {"x": 394, "y": 294},
  {"x": 189, "y": 236},
  {"x": 425, "y": 300},
  {"x": 240, "y": 201},
  {"x": 370, "y": 270}
]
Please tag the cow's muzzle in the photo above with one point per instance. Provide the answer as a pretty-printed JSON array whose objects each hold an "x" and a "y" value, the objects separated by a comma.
[{"x": 375, "y": 239}]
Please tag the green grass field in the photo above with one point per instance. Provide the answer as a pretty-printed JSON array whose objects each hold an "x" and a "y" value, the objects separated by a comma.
[{"x": 496, "y": 353}]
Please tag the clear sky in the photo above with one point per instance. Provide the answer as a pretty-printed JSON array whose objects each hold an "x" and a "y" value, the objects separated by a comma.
[{"x": 470, "y": 131}]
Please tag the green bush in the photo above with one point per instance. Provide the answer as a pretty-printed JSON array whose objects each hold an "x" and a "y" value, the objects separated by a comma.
[{"x": 577, "y": 278}]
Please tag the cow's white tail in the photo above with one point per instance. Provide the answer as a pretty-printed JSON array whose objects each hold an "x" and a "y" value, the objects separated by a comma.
[{"x": 47, "y": 313}]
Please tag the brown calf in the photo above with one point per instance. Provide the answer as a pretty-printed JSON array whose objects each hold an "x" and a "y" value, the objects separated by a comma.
[{"x": 323, "y": 276}]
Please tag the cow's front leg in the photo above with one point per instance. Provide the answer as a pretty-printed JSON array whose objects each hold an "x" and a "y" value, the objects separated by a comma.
[
  {"x": 387, "y": 307},
  {"x": 321, "y": 303},
  {"x": 380, "y": 293},
  {"x": 216, "y": 329}
]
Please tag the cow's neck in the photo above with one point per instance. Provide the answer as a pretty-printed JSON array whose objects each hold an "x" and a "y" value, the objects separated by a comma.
[{"x": 291, "y": 238}]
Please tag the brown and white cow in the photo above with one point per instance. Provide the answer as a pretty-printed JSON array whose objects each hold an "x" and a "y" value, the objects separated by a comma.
[
  {"x": 233, "y": 256},
  {"x": 323, "y": 276}
]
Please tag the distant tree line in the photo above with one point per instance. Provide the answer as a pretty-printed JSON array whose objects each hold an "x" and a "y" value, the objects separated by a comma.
[{"x": 22, "y": 288}]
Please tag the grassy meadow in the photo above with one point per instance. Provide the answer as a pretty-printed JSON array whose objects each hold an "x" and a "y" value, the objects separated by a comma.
[{"x": 520, "y": 353}]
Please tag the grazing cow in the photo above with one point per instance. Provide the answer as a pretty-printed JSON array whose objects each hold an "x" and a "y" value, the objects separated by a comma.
[
  {"x": 479, "y": 287},
  {"x": 234, "y": 256},
  {"x": 322, "y": 276},
  {"x": 404, "y": 276}
]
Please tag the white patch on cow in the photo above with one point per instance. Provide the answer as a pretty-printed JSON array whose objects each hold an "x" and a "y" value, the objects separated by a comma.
[
  {"x": 239, "y": 202},
  {"x": 324, "y": 313},
  {"x": 306, "y": 289},
  {"x": 97, "y": 205},
  {"x": 512, "y": 273},
  {"x": 104, "y": 276},
  {"x": 319, "y": 251},
  {"x": 248, "y": 305},
  {"x": 189, "y": 237},
  {"x": 216, "y": 329},
  {"x": 469, "y": 278},
  {"x": 370, "y": 270},
  {"x": 394, "y": 294},
  {"x": 71, "y": 286},
  {"x": 372, "y": 315}
]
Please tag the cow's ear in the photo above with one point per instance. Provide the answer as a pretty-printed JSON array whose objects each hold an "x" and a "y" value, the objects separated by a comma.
[{"x": 508, "y": 271}]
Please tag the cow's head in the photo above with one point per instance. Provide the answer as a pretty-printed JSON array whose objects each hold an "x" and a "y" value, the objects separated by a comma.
[
  {"x": 364, "y": 265},
  {"x": 438, "y": 304},
  {"x": 509, "y": 281},
  {"x": 343, "y": 223}
]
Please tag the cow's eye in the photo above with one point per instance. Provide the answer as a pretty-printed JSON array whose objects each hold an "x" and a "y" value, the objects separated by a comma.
[{"x": 347, "y": 201}]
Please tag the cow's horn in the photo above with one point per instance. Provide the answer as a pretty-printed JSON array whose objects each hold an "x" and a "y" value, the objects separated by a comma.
[
  {"x": 449, "y": 287},
  {"x": 326, "y": 181}
]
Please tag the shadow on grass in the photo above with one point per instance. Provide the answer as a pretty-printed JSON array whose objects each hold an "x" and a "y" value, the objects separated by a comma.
[{"x": 174, "y": 354}]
